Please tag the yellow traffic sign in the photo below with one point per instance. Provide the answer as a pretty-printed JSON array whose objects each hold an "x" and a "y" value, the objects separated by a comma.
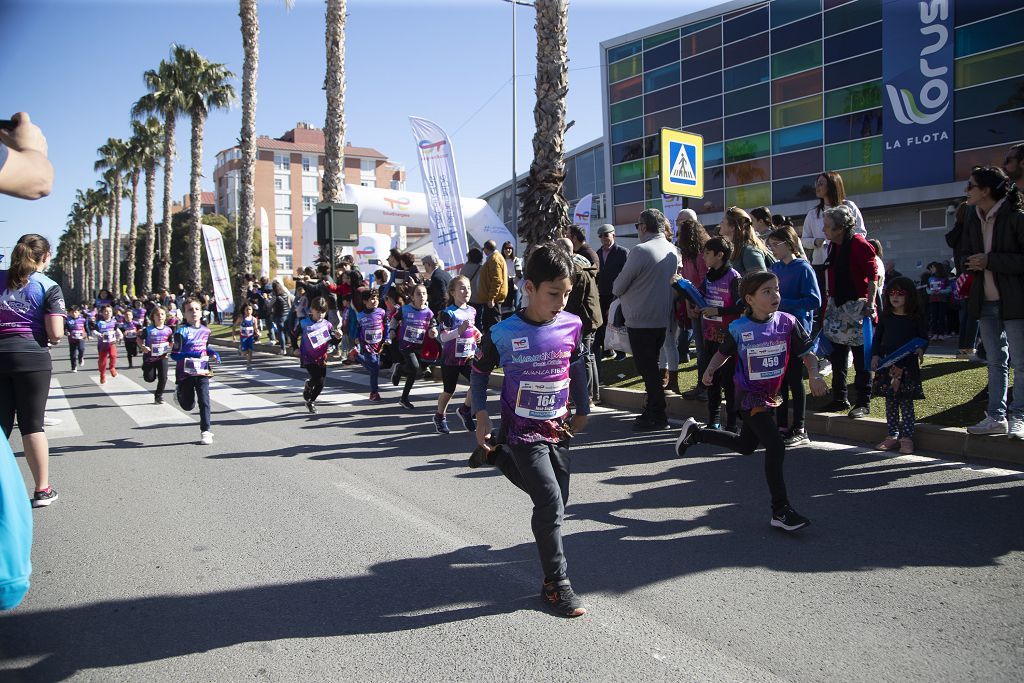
[{"x": 682, "y": 163}]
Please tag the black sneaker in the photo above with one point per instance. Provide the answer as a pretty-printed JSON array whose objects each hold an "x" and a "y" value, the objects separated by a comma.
[
  {"x": 480, "y": 457},
  {"x": 696, "y": 395},
  {"x": 789, "y": 519},
  {"x": 43, "y": 498},
  {"x": 441, "y": 424},
  {"x": 647, "y": 423},
  {"x": 687, "y": 436},
  {"x": 468, "y": 421},
  {"x": 859, "y": 411},
  {"x": 797, "y": 437},
  {"x": 158, "y": 399},
  {"x": 396, "y": 374},
  {"x": 311, "y": 407},
  {"x": 836, "y": 407},
  {"x": 406, "y": 403},
  {"x": 561, "y": 598}
]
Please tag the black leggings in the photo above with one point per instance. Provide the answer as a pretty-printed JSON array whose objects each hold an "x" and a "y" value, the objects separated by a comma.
[
  {"x": 450, "y": 376},
  {"x": 157, "y": 371},
  {"x": 723, "y": 381},
  {"x": 131, "y": 349},
  {"x": 861, "y": 378},
  {"x": 793, "y": 384},
  {"x": 315, "y": 383},
  {"x": 757, "y": 429},
  {"x": 77, "y": 349},
  {"x": 411, "y": 369},
  {"x": 23, "y": 394}
]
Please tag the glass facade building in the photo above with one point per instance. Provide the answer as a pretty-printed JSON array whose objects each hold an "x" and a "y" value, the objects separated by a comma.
[{"x": 782, "y": 90}]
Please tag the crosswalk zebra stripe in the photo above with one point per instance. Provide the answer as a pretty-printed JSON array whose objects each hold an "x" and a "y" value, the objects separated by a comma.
[
  {"x": 137, "y": 403},
  {"x": 57, "y": 406},
  {"x": 246, "y": 403}
]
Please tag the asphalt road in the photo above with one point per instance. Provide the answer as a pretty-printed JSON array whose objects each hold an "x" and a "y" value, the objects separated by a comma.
[{"x": 356, "y": 545}]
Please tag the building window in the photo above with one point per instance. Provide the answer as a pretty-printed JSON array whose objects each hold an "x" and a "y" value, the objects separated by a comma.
[
  {"x": 278, "y": 183},
  {"x": 284, "y": 243},
  {"x": 933, "y": 219},
  {"x": 284, "y": 262},
  {"x": 283, "y": 203},
  {"x": 282, "y": 162},
  {"x": 367, "y": 165},
  {"x": 308, "y": 204}
]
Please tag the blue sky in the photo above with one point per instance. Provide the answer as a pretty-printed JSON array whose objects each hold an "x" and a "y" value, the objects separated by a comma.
[{"x": 76, "y": 66}]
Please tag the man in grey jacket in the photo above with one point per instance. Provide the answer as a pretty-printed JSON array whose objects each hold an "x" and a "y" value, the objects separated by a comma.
[{"x": 644, "y": 290}]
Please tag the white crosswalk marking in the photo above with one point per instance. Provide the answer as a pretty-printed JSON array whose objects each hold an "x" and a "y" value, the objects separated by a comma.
[
  {"x": 137, "y": 402},
  {"x": 249, "y": 404},
  {"x": 57, "y": 406}
]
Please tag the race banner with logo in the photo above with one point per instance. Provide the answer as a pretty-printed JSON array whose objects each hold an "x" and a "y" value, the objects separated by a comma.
[
  {"x": 581, "y": 216},
  {"x": 218, "y": 263},
  {"x": 441, "y": 185},
  {"x": 917, "y": 73},
  {"x": 264, "y": 243}
]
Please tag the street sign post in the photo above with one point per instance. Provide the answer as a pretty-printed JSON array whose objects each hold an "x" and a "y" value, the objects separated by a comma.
[
  {"x": 682, "y": 163},
  {"x": 336, "y": 224}
]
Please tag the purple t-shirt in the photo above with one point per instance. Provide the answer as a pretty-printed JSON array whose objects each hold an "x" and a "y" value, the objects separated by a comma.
[
  {"x": 412, "y": 331},
  {"x": 158, "y": 340},
  {"x": 461, "y": 349},
  {"x": 23, "y": 313},
  {"x": 77, "y": 329},
  {"x": 371, "y": 329},
  {"x": 763, "y": 351},
  {"x": 191, "y": 341},
  {"x": 313, "y": 347},
  {"x": 106, "y": 334},
  {"x": 130, "y": 329}
]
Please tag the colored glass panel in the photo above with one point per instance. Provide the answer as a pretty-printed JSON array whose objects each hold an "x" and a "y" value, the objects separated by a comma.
[
  {"x": 785, "y": 11},
  {"x": 746, "y": 74},
  {"x": 623, "y": 51},
  {"x": 797, "y": 59},
  {"x": 702, "y": 64},
  {"x": 621, "y": 132},
  {"x": 745, "y": 50},
  {"x": 856, "y": 42},
  {"x": 856, "y": 153},
  {"x": 630, "y": 109},
  {"x": 652, "y": 188},
  {"x": 797, "y": 163},
  {"x": 856, "y": 70},
  {"x": 630, "y": 66},
  {"x": 628, "y": 172},
  {"x": 803, "y": 31},
  {"x": 696, "y": 112},
  {"x": 852, "y": 15},
  {"x": 652, "y": 145},
  {"x": 627, "y": 151},
  {"x": 660, "y": 56},
  {"x": 748, "y": 148},
  {"x": 625, "y": 194},
  {"x": 745, "y": 25},
  {"x": 749, "y": 98},
  {"x": 627, "y": 214},
  {"x": 701, "y": 41},
  {"x": 713, "y": 202},
  {"x": 661, "y": 38},
  {"x": 988, "y": 67},
  {"x": 661, "y": 78},
  {"x": 710, "y": 131},
  {"x": 862, "y": 180},
  {"x": 747, "y": 123},
  {"x": 747, "y": 172},
  {"x": 699, "y": 26},
  {"x": 667, "y": 118},
  {"x": 654, "y": 204},
  {"x": 700, "y": 88},
  {"x": 662, "y": 99},
  {"x": 989, "y": 130},
  {"x": 626, "y": 89},
  {"x": 797, "y": 137},
  {"x": 749, "y": 195},
  {"x": 853, "y": 98},
  {"x": 968, "y": 12},
  {"x": 796, "y": 86},
  {"x": 652, "y": 166},
  {"x": 713, "y": 154},
  {"x": 714, "y": 178},
  {"x": 793, "y": 189},
  {"x": 993, "y": 97},
  {"x": 796, "y": 112},
  {"x": 986, "y": 156},
  {"x": 864, "y": 124}
]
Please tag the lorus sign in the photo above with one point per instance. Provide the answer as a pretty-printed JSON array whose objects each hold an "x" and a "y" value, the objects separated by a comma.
[{"x": 917, "y": 69}]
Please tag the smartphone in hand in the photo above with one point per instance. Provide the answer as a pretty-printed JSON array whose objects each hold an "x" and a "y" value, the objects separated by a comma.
[{"x": 7, "y": 124}]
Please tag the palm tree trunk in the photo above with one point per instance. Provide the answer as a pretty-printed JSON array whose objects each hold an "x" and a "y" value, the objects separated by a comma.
[
  {"x": 99, "y": 253},
  {"x": 133, "y": 234},
  {"x": 164, "y": 266},
  {"x": 108, "y": 274},
  {"x": 334, "y": 84},
  {"x": 195, "y": 200},
  {"x": 147, "y": 261},
  {"x": 247, "y": 199},
  {"x": 545, "y": 213},
  {"x": 115, "y": 242}
]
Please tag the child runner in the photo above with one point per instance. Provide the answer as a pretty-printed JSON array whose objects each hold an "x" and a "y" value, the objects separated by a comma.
[
  {"x": 77, "y": 330},
  {"x": 248, "y": 331},
  {"x": 156, "y": 343},
  {"x": 413, "y": 323},
  {"x": 720, "y": 290},
  {"x": 459, "y": 339},
  {"x": 107, "y": 336},
  {"x": 192, "y": 370},
  {"x": 900, "y": 383},
  {"x": 540, "y": 351},
  {"x": 764, "y": 340},
  {"x": 173, "y": 315},
  {"x": 372, "y": 321},
  {"x": 139, "y": 312},
  {"x": 315, "y": 331},
  {"x": 130, "y": 329},
  {"x": 798, "y": 287}
]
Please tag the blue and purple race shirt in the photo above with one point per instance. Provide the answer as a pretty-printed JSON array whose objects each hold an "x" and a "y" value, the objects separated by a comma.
[
  {"x": 719, "y": 293},
  {"x": 130, "y": 330},
  {"x": 23, "y": 313},
  {"x": 412, "y": 331},
  {"x": 247, "y": 328},
  {"x": 459, "y": 349},
  {"x": 77, "y": 329},
  {"x": 158, "y": 340},
  {"x": 763, "y": 351},
  {"x": 315, "y": 336},
  {"x": 371, "y": 329},
  {"x": 536, "y": 359},
  {"x": 106, "y": 334},
  {"x": 190, "y": 352}
]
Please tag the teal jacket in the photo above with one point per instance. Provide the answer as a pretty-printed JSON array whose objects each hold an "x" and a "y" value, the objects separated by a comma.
[{"x": 15, "y": 531}]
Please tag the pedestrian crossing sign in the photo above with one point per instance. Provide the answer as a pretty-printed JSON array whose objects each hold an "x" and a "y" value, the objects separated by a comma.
[{"x": 682, "y": 163}]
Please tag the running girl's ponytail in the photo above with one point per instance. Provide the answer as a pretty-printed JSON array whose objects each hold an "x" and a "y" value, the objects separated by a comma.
[{"x": 26, "y": 257}]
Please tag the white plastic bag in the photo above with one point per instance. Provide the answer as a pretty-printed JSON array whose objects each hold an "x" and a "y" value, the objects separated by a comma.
[{"x": 615, "y": 338}]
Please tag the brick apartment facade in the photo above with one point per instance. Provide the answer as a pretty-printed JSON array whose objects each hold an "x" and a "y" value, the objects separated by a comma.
[{"x": 289, "y": 172}]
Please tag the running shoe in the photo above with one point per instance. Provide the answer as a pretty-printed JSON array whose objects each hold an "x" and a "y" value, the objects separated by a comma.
[
  {"x": 375, "y": 397},
  {"x": 797, "y": 437},
  {"x": 113, "y": 372},
  {"x": 41, "y": 499},
  {"x": 103, "y": 379},
  {"x": 824, "y": 367},
  {"x": 989, "y": 426},
  {"x": 1015, "y": 428},
  {"x": 698, "y": 394},
  {"x": 468, "y": 421},
  {"x": 687, "y": 436},
  {"x": 49, "y": 421},
  {"x": 441, "y": 424},
  {"x": 311, "y": 407},
  {"x": 74, "y": 369},
  {"x": 837, "y": 406},
  {"x": 158, "y": 400},
  {"x": 789, "y": 519},
  {"x": 406, "y": 403},
  {"x": 396, "y": 374},
  {"x": 859, "y": 411},
  {"x": 479, "y": 457},
  {"x": 206, "y": 438},
  {"x": 561, "y": 598}
]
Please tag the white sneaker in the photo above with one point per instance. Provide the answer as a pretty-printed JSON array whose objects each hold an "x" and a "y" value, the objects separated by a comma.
[
  {"x": 824, "y": 367},
  {"x": 1015, "y": 428},
  {"x": 207, "y": 438},
  {"x": 989, "y": 426},
  {"x": 51, "y": 421}
]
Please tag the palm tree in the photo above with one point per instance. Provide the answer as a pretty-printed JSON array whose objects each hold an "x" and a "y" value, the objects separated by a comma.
[
  {"x": 334, "y": 84},
  {"x": 166, "y": 97},
  {"x": 100, "y": 206},
  {"x": 81, "y": 211},
  {"x": 147, "y": 143},
  {"x": 205, "y": 88},
  {"x": 545, "y": 213},
  {"x": 113, "y": 156}
]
